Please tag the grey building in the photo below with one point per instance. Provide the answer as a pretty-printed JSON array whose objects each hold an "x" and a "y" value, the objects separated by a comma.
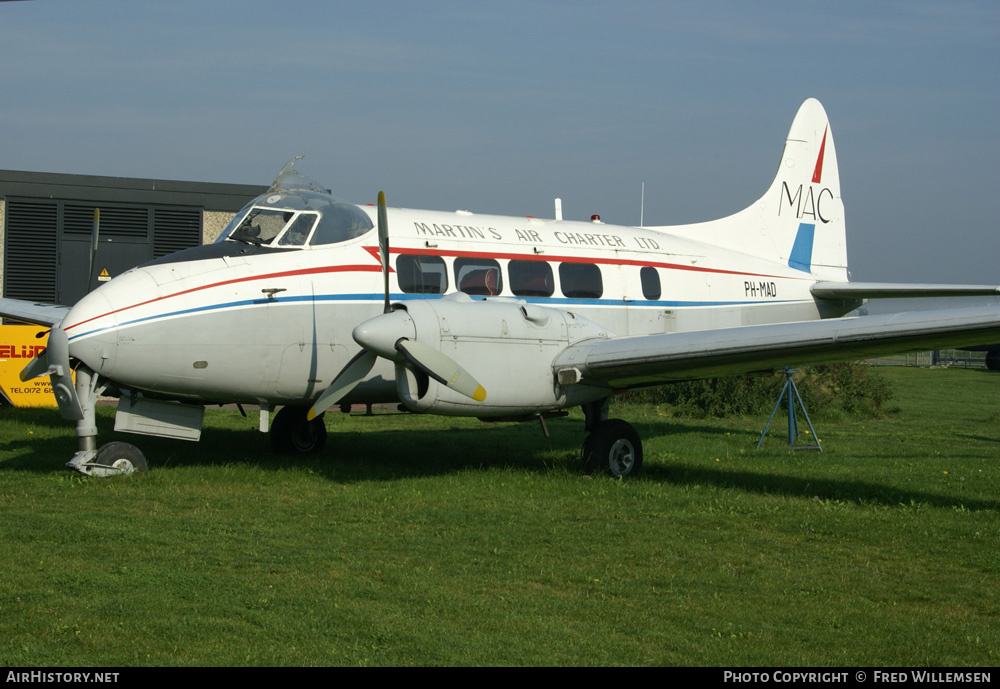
[{"x": 46, "y": 221}]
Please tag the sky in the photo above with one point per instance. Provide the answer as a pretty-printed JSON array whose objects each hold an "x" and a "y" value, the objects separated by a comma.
[{"x": 499, "y": 107}]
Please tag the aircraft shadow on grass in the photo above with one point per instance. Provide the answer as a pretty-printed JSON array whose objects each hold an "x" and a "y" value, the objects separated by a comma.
[{"x": 382, "y": 454}]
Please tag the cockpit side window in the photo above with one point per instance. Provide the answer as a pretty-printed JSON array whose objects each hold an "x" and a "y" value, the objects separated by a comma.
[
  {"x": 298, "y": 230},
  {"x": 340, "y": 222},
  {"x": 297, "y": 218}
]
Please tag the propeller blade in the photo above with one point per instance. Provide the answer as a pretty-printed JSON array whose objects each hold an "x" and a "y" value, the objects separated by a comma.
[
  {"x": 441, "y": 368},
  {"x": 36, "y": 367},
  {"x": 57, "y": 356},
  {"x": 389, "y": 336},
  {"x": 383, "y": 246},
  {"x": 352, "y": 374},
  {"x": 95, "y": 235}
]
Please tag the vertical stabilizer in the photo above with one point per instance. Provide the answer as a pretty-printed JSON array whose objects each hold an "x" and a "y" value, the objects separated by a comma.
[{"x": 799, "y": 221}]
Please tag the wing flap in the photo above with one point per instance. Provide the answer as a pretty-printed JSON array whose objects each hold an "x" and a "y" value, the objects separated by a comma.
[
  {"x": 655, "y": 359},
  {"x": 892, "y": 290}
]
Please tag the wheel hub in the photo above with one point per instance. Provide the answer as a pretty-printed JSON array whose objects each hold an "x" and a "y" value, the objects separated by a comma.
[{"x": 622, "y": 457}]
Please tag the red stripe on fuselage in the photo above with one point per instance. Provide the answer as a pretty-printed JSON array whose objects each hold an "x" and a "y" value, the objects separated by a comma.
[
  {"x": 283, "y": 274},
  {"x": 435, "y": 252}
]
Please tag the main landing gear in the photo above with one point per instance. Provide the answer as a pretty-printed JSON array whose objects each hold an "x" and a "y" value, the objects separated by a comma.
[
  {"x": 613, "y": 446},
  {"x": 293, "y": 434}
]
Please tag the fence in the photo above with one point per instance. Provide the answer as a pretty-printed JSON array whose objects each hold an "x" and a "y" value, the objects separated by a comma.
[{"x": 938, "y": 357}]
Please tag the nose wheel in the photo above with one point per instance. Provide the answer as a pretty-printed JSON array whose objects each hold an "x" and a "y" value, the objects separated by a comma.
[{"x": 118, "y": 458}]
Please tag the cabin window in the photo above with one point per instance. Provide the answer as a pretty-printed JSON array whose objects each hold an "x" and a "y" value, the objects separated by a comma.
[
  {"x": 421, "y": 274},
  {"x": 530, "y": 278},
  {"x": 581, "y": 280},
  {"x": 650, "y": 282},
  {"x": 478, "y": 276}
]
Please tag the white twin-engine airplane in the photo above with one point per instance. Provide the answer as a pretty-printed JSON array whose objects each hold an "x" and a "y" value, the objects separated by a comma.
[{"x": 300, "y": 304}]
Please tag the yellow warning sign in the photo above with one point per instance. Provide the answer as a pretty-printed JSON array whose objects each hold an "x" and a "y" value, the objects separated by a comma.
[
  {"x": 18, "y": 346},
  {"x": 104, "y": 276}
]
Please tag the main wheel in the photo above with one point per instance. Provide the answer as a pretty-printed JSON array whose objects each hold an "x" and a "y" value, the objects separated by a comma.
[
  {"x": 119, "y": 458},
  {"x": 993, "y": 360},
  {"x": 291, "y": 433},
  {"x": 613, "y": 448}
]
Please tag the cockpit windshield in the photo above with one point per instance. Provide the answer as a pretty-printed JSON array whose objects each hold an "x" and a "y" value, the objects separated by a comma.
[{"x": 296, "y": 217}]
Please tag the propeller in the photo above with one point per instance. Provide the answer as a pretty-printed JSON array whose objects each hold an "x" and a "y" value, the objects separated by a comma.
[
  {"x": 352, "y": 374},
  {"x": 383, "y": 247},
  {"x": 95, "y": 234},
  {"x": 36, "y": 367},
  {"x": 362, "y": 362},
  {"x": 441, "y": 368},
  {"x": 54, "y": 361},
  {"x": 386, "y": 336}
]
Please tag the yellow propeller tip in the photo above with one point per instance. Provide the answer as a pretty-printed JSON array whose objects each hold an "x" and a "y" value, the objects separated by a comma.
[
  {"x": 381, "y": 198},
  {"x": 480, "y": 394},
  {"x": 311, "y": 414}
]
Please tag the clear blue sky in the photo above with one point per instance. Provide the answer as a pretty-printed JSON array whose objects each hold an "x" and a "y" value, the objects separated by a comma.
[{"x": 499, "y": 107}]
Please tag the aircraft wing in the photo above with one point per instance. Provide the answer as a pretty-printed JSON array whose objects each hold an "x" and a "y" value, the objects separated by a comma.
[
  {"x": 655, "y": 359},
  {"x": 29, "y": 312},
  {"x": 892, "y": 290}
]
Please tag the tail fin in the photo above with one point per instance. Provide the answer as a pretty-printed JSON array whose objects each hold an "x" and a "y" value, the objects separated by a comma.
[{"x": 799, "y": 221}]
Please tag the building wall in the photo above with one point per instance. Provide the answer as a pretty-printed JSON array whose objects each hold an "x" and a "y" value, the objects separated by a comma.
[
  {"x": 217, "y": 204},
  {"x": 212, "y": 224}
]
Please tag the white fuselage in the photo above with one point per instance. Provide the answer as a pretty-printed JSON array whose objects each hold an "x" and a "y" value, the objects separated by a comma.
[{"x": 274, "y": 326}]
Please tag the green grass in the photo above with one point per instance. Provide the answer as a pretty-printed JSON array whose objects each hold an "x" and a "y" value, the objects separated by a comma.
[{"x": 433, "y": 541}]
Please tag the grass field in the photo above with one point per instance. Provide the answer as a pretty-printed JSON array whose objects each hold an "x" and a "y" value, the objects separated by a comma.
[{"x": 435, "y": 541}]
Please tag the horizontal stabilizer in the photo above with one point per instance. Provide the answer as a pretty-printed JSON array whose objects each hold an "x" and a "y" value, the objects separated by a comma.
[{"x": 902, "y": 290}]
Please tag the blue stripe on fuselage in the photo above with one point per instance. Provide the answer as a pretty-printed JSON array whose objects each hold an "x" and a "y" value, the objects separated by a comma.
[{"x": 378, "y": 299}]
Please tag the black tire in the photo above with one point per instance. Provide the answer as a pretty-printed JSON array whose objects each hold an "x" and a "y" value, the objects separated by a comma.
[
  {"x": 123, "y": 457},
  {"x": 292, "y": 434},
  {"x": 993, "y": 360},
  {"x": 613, "y": 448}
]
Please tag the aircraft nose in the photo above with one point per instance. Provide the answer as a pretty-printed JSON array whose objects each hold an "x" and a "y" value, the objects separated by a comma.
[
  {"x": 91, "y": 328},
  {"x": 381, "y": 333}
]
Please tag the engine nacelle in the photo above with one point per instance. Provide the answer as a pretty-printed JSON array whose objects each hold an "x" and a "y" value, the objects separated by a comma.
[{"x": 507, "y": 345}]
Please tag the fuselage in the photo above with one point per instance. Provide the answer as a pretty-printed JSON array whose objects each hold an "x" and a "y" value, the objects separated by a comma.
[{"x": 271, "y": 323}]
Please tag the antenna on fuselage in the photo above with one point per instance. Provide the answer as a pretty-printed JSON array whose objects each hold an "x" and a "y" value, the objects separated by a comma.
[
  {"x": 558, "y": 209},
  {"x": 642, "y": 202}
]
